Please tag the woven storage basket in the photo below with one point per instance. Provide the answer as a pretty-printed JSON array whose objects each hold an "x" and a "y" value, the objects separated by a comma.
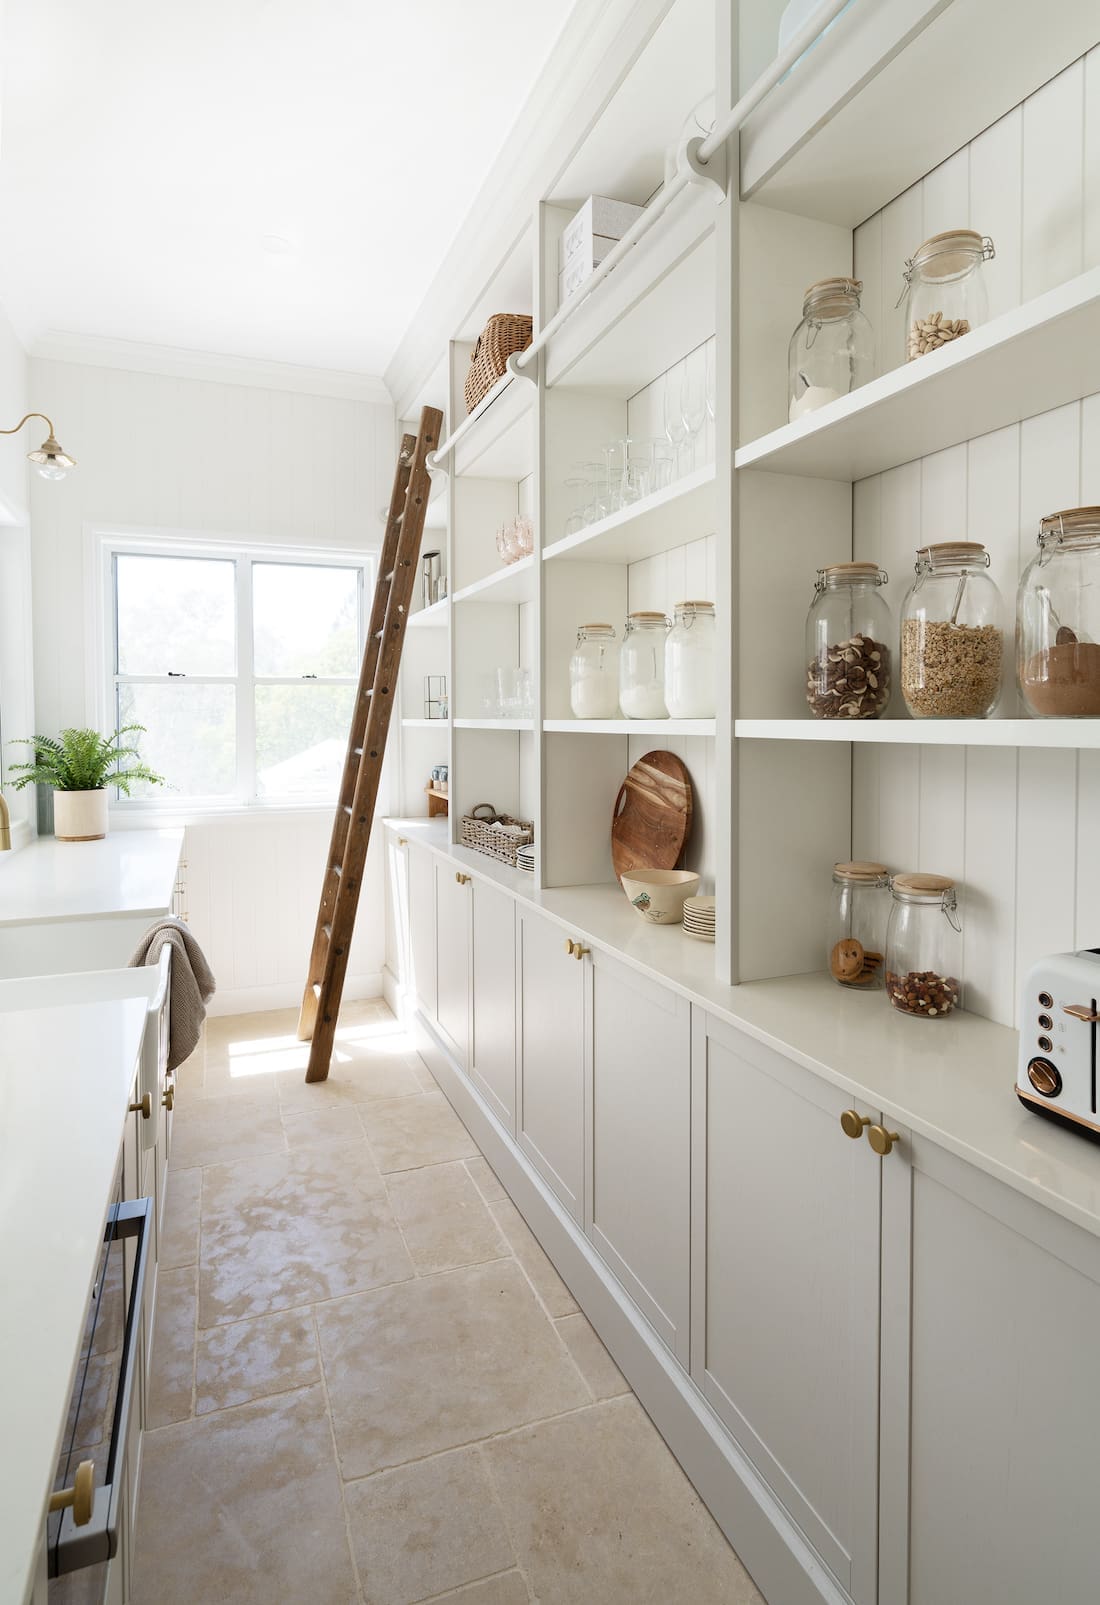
[
  {"x": 480, "y": 835},
  {"x": 503, "y": 335}
]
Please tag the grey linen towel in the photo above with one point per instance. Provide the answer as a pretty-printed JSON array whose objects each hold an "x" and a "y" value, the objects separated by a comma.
[{"x": 190, "y": 989}]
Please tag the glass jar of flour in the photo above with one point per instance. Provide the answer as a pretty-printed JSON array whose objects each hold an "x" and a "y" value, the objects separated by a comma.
[
  {"x": 833, "y": 349},
  {"x": 642, "y": 666},
  {"x": 689, "y": 662},
  {"x": 594, "y": 673}
]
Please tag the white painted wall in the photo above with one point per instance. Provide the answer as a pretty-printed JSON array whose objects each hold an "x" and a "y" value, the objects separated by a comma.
[
  {"x": 239, "y": 460},
  {"x": 16, "y": 691}
]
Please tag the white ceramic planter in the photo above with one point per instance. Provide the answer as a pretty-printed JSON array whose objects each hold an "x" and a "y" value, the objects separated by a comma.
[{"x": 80, "y": 816}]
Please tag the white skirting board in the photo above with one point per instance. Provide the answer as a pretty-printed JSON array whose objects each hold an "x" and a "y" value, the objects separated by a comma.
[
  {"x": 255, "y": 999},
  {"x": 769, "y": 1544}
]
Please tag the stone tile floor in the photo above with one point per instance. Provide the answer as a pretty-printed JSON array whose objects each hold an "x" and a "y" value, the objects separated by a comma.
[{"x": 369, "y": 1384}]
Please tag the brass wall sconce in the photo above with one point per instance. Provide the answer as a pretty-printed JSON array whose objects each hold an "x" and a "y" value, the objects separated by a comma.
[{"x": 50, "y": 461}]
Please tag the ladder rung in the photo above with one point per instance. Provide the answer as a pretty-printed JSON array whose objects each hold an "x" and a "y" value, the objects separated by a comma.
[
  {"x": 347, "y": 808},
  {"x": 317, "y": 990},
  {"x": 328, "y": 931},
  {"x": 337, "y": 869},
  {"x": 358, "y": 751},
  {"x": 386, "y": 578}
]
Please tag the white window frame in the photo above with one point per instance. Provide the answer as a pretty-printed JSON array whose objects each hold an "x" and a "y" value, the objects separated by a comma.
[{"x": 102, "y": 545}]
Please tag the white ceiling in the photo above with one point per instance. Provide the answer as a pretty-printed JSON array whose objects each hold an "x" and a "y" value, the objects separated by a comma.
[{"x": 148, "y": 149}]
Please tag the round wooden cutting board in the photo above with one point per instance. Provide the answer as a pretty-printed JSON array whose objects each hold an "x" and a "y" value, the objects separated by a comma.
[{"x": 651, "y": 819}]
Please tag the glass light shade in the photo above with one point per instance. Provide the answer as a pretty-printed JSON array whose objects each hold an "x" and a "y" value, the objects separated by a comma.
[{"x": 50, "y": 461}]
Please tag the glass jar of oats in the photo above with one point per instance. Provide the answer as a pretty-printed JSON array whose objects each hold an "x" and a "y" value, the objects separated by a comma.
[{"x": 952, "y": 634}]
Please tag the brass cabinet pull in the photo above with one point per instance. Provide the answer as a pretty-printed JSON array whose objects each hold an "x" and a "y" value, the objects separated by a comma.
[
  {"x": 579, "y": 952},
  {"x": 852, "y": 1123},
  {"x": 80, "y": 1496},
  {"x": 144, "y": 1106},
  {"x": 169, "y": 1098},
  {"x": 462, "y": 879},
  {"x": 569, "y": 946},
  {"x": 882, "y": 1140},
  {"x": 402, "y": 841}
]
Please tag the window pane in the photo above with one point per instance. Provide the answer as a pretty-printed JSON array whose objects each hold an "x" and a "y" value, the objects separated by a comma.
[
  {"x": 176, "y": 615},
  {"x": 301, "y": 738},
  {"x": 190, "y": 739},
  {"x": 305, "y": 619}
]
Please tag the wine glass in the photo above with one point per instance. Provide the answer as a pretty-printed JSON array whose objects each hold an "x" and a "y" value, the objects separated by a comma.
[
  {"x": 711, "y": 377},
  {"x": 675, "y": 427},
  {"x": 578, "y": 488},
  {"x": 693, "y": 399}
]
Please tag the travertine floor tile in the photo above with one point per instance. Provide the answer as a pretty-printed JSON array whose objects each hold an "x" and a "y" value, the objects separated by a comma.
[
  {"x": 172, "y": 1369},
  {"x": 179, "y": 1233},
  {"x": 426, "y": 1528},
  {"x": 444, "y": 1218},
  {"x": 508, "y": 1588},
  {"x": 287, "y": 1229},
  {"x": 439, "y": 1362},
  {"x": 598, "y": 1509},
  {"x": 254, "y": 1359},
  {"x": 407, "y": 1132},
  {"x": 544, "y": 1278},
  {"x": 593, "y": 1361},
  {"x": 350, "y": 1080},
  {"x": 321, "y": 1128},
  {"x": 213, "y": 1131},
  {"x": 244, "y": 1508},
  {"x": 486, "y": 1180}
]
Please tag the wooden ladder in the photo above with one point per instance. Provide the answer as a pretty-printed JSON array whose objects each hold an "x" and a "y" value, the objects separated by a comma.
[{"x": 370, "y": 725}]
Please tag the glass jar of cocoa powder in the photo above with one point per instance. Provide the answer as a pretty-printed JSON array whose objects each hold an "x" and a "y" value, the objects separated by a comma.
[
  {"x": 952, "y": 635},
  {"x": 848, "y": 629},
  {"x": 924, "y": 947},
  {"x": 1058, "y": 619}
]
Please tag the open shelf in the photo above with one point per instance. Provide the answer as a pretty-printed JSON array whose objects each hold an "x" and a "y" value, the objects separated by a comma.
[
  {"x": 424, "y": 724},
  {"x": 500, "y": 442},
  {"x": 1037, "y": 357},
  {"x": 928, "y": 732},
  {"x": 851, "y": 126},
  {"x": 631, "y": 727},
  {"x": 428, "y": 618},
  {"x": 510, "y": 583},
  {"x": 672, "y": 517},
  {"x": 494, "y": 724}
]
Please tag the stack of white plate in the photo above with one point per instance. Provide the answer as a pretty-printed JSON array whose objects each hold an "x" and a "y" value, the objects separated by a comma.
[
  {"x": 699, "y": 918},
  {"x": 525, "y": 858}
]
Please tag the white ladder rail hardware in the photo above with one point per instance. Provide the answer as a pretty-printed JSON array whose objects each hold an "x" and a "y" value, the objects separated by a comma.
[{"x": 366, "y": 746}]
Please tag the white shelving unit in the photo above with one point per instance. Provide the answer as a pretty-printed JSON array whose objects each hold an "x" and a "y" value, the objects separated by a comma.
[
  {"x": 649, "y": 527},
  {"x": 631, "y": 727},
  {"x": 1080, "y": 734},
  {"x": 512, "y": 583}
]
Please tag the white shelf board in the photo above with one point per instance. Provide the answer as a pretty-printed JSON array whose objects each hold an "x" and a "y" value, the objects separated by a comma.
[
  {"x": 892, "y": 90},
  {"x": 500, "y": 443},
  {"x": 510, "y": 583},
  {"x": 508, "y": 725},
  {"x": 683, "y": 512},
  {"x": 424, "y": 724},
  {"x": 429, "y": 618},
  {"x": 1039, "y": 356},
  {"x": 928, "y": 732},
  {"x": 631, "y": 727},
  {"x": 650, "y": 311}
]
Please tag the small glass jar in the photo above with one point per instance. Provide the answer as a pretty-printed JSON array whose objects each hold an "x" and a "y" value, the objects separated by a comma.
[
  {"x": 848, "y": 629},
  {"x": 857, "y": 925},
  {"x": 642, "y": 666},
  {"x": 594, "y": 673},
  {"x": 1058, "y": 619},
  {"x": 833, "y": 349},
  {"x": 923, "y": 947},
  {"x": 952, "y": 634},
  {"x": 689, "y": 662},
  {"x": 946, "y": 295}
]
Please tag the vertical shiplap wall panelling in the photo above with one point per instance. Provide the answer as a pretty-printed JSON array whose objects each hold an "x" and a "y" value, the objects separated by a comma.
[
  {"x": 1088, "y": 766},
  {"x": 646, "y": 417},
  {"x": 1051, "y": 182}
]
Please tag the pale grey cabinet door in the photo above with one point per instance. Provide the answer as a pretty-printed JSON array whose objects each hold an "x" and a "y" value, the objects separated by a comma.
[
  {"x": 493, "y": 1021},
  {"x": 397, "y": 910},
  {"x": 452, "y": 961},
  {"x": 422, "y": 929},
  {"x": 991, "y": 1344},
  {"x": 788, "y": 1261},
  {"x": 640, "y": 1213},
  {"x": 551, "y": 1111}
]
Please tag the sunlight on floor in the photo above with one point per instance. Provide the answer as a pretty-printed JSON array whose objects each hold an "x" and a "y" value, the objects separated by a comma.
[{"x": 259, "y": 1056}]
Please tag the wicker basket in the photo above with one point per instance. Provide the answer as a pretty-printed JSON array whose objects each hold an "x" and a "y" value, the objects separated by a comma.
[
  {"x": 503, "y": 335},
  {"x": 479, "y": 834}
]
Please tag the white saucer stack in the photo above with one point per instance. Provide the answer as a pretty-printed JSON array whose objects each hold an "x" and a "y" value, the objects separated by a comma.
[
  {"x": 699, "y": 918},
  {"x": 525, "y": 858}
]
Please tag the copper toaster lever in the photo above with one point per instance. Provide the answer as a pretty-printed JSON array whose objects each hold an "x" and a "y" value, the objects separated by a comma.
[{"x": 1082, "y": 1011}]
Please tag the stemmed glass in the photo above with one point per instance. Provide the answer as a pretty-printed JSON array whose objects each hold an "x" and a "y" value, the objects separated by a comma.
[
  {"x": 711, "y": 377},
  {"x": 693, "y": 396},
  {"x": 578, "y": 487},
  {"x": 675, "y": 427}
]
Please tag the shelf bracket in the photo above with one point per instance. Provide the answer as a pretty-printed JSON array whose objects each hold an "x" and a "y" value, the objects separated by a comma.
[
  {"x": 710, "y": 173},
  {"x": 512, "y": 366}
]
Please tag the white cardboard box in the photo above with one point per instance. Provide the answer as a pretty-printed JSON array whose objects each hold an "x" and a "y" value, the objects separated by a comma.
[
  {"x": 599, "y": 217},
  {"x": 581, "y": 265}
]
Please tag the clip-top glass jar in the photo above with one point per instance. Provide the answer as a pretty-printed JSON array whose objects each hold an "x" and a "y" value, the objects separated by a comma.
[
  {"x": 689, "y": 662},
  {"x": 642, "y": 666},
  {"x": 1058, "y": 619},
  {"x": 833, "y": 349},
  {"x": 952, "y": 637},
  {"x": 857, "y": 924},
  {"x": 594, "y": 673},
  {"x": 923, "y": 946},
  {"x": 946, "y": 293},
  {"x": 847, "y": 631}
]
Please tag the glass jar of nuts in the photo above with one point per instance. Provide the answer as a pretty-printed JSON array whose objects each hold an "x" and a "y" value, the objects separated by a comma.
[
  {"x": 923, "y": 947},
  {"x": 946, "y": 293},
  {"x": 847, "y": 656},
  {"x": 952, "y": 636},
  {"x": 857, "y": 925}
]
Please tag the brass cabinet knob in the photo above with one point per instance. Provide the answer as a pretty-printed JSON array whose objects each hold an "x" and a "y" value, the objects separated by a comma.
[
  {"x": 579, "y": 952},
  {"x": 882, "y": 1140},
  {"x": 402, "y": 841},
  {"x": 569, "y": 946},
  {"x": 81, "y": 1496},
  {"x": 463, "y": 880},
  {"x": 144, "y": 1106},
  {"x": 852, "y": 1123},
  {"x": 169, "y": 1098}
]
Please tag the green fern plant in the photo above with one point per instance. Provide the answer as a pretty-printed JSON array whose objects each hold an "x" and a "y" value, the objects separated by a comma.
[{"x": 83, "y": 760}]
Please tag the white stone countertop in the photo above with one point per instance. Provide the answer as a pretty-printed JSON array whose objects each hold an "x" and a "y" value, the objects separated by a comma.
[{"x": 130, "y": 872}]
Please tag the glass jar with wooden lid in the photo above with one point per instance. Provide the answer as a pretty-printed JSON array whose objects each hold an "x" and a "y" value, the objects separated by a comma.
[
  {"x": 945, "y": 290},
  {"x": 642, "y": 666},
  {"x": 848, "y": 629},
  {"x": 594, "y": 673},
  {"x": 923, "y": 947},
  {"x": 952, "y": 635},
  {"x": 858, "y": 911},
  {"x": 689, "y": 662},
  {"x": 833, "y": 349},
  {"x": 1058, "y": 619}
]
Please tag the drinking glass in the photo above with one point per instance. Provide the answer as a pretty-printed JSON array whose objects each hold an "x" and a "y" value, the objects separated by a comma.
[
  {"x": 579, "y": 489},
  {"x": 636, "y": 481},
  {"x": 613, "y": 453},
  {"x": 525, "y": 535},
  {"x": 693, "y": 400},
  {"x": 662, "y": 457},
  {"x": 504, "y": 544},
  {"x": 675, "y": 427},
  {"x": 711, "y": 377}
]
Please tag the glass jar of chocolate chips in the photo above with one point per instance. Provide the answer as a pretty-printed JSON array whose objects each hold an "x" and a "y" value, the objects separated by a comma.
[{"x": 847, "y": 630}]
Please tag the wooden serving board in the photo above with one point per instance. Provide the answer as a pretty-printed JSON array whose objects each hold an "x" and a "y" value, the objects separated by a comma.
[{"x": 651, "y": 820}]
